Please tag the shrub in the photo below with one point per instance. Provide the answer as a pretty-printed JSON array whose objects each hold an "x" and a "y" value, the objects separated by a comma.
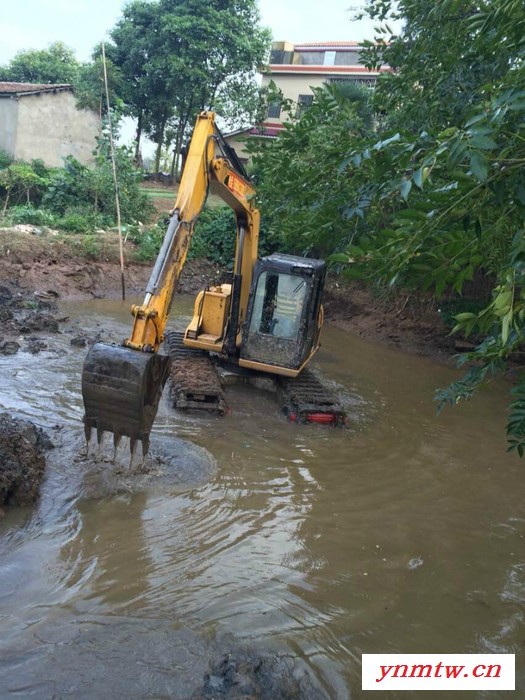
[
  {"x": 74, "y": 185},
  {"x": 5, "y": 160},
  {"x": 148, "y": 241},
  {"x": 68, "y": 187},
  {"x": 81, "y": 220},
  {"x": 28, "y": 214},
  {"x": 215, "y": 235},
  {"x": 20, "y": 182},
  {"x": 92, "y": 246}
]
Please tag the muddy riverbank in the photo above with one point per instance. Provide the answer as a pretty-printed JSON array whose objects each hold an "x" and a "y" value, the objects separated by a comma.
[{"x": 39, "y": 265}]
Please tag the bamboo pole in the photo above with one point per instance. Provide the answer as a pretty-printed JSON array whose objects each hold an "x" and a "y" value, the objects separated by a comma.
[{"x": 115, "y": 179}]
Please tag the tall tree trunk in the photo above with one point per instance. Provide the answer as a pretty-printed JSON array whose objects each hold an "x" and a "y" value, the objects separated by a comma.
[
  {"x": 158, "y": 154},
  {"x": 176, "y": 153},
  {"x": 138, "y": 136}
]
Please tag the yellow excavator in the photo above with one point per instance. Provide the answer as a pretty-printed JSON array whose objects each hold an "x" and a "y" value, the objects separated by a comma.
[{"x": 268, "y": 319}]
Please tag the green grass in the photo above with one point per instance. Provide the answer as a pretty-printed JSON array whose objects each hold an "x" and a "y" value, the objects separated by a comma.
[{"x": 158, "y": 193}]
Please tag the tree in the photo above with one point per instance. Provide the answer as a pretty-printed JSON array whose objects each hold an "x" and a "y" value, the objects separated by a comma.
[
  {"x": 179, "y": 57},
  {"x": 436, "y": 198},
  {"x": 439, "y": 65},
  {"x": 58, "y": 65},
  {"x": 301, "y": 191},
  {"x": 54, "y": 65},
  {"x": 458, "y": 193},
  {"x": 89, "y": 87},
  {"x": 134, "y": 43}
]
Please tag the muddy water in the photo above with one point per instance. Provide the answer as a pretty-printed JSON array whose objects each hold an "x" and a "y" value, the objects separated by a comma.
[{"x": 404, "y": 533}]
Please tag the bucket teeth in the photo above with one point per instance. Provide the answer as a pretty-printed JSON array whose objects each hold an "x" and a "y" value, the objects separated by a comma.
[
  {"x": 100, "y": 435},
  {"x": 116, "y": 440}
]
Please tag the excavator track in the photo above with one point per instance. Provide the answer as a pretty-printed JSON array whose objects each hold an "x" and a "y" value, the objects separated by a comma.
[
  {"x": 193, "y": 381},
  {"x": 304, "y": 399}
]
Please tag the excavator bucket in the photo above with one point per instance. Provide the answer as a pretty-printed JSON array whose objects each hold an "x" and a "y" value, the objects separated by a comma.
[{"x": 121, "y": 389}]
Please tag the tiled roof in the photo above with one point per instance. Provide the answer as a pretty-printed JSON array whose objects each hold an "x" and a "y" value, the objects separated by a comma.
[{"x": 30, "y": 88}]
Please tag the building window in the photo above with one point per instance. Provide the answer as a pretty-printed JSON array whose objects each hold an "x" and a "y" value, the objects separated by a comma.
[
  {"x": 309, "y": 58},
  {"x": 347, "y": 58},
  {"x": 303, "y": 102},
  {"x": 329, "y": 58},
  {"x": 274, "y": 110},
  {"x": 280, "y": 57}
]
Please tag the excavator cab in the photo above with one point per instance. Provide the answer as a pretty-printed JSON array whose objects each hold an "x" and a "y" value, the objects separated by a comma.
[{"x": 284, "y": 315}]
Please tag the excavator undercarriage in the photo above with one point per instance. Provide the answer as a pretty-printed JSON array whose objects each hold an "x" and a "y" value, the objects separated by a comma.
[{"x": 195, "y": 383}]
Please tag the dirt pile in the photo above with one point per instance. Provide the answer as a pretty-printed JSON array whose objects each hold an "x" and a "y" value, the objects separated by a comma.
[
  {"x": 254, "y": 677},
  {"x": 23, "y": 315},
  {"x": 22, "y": 460}
]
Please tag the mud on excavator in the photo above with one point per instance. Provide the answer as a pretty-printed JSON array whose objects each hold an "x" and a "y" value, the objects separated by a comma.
[{"x": 268, "y": 319}]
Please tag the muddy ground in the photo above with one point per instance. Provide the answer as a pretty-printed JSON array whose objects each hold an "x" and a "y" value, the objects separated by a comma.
[
  {"x": 22, "y": 461},
  {"x": 38, "y": 265}
]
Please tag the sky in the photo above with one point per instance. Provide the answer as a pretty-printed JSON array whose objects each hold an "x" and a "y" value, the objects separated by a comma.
[{"x": 80, "y": 24}]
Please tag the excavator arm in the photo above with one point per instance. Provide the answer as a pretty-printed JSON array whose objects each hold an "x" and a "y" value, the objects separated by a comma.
[{"x": 122, "y": 384}]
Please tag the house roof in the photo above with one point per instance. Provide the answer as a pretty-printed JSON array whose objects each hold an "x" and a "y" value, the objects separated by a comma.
[
  {"x": 328, "y": 45},
  {"x": 20, "y": 89},
  {"x": 305, "y": 68}
]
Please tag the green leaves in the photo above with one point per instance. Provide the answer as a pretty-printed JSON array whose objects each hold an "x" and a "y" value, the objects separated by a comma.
[
  {"x": 406, "y": 186},
  {"x": 434, "y": 198},
  {"x": 311, "y": 186},
  {"x": 478, "y": 166}
]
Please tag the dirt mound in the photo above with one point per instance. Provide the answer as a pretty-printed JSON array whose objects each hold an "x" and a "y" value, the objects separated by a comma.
[
  {"x": 22, "y": 460},
  {"x": 21, "y": 315},
  {"x": 254, "y": 677}
]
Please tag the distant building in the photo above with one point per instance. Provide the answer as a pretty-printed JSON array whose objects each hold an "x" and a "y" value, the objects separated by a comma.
[
  {"x": 43, "y": 121},
  {"x": 296, "y": 69}
]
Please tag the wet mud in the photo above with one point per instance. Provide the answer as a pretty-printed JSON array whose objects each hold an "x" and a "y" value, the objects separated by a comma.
[
  {"x": 250, "y": 676},
  {"x": 25, "y": 314},
  {"x": 171, "y": 463},
  {"x": 268, "y": 575},
  {"x": 23, "y": 449}
]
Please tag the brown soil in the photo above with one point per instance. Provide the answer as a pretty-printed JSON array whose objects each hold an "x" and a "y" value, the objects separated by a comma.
[
  {"x": 51, "y": 265},
  {"x": 413, "y": 325}
]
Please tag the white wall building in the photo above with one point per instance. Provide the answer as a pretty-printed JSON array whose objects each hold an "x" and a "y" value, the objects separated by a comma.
[{"x": 42, "y": 121}]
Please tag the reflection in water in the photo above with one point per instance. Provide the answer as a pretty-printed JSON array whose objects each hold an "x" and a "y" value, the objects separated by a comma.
[
  {"x": 111, "y": 542},
  {"x": 402, "y": 534}
]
